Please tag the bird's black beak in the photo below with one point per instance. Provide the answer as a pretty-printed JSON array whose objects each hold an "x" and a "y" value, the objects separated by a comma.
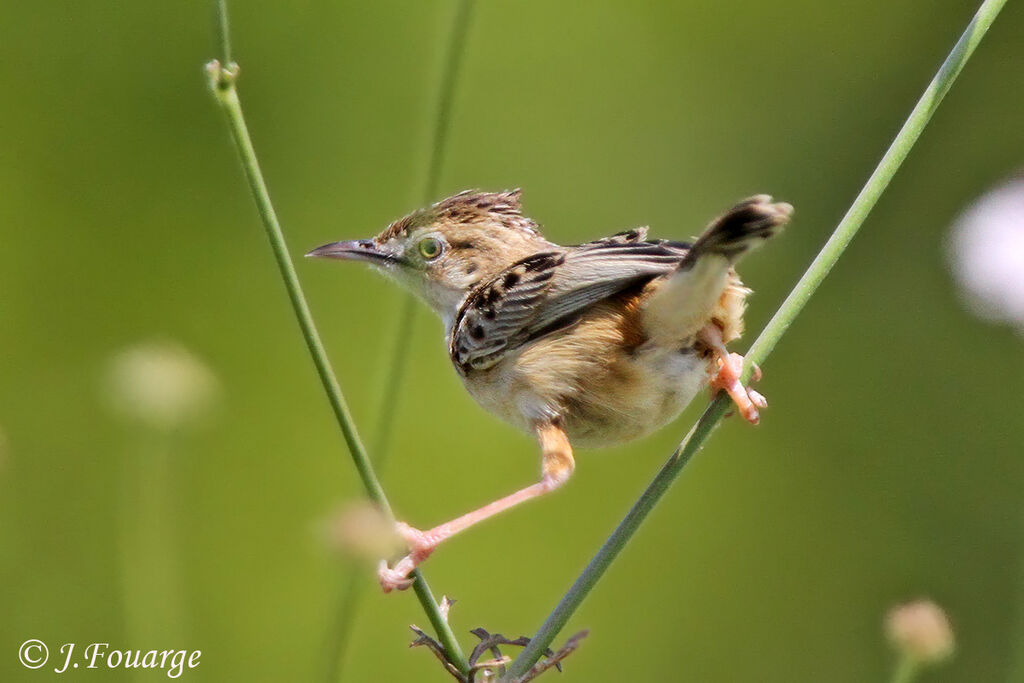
[{"x": 355, "y": 250}]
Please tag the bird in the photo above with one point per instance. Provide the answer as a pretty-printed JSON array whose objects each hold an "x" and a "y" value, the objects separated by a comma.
[{"x": 592, "y": 345}]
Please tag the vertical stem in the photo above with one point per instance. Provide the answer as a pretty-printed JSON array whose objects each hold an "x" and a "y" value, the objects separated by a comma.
[
  {"x": 223, "y": 33},
  {"x": 340, "y": 631},
  {"x": 398, "y": 365},
  {"x": 905, "y": 671},
  {"x": 446, "y": 95},
  {"x": 149, "y": 553},
  {"x": 226, "y": 93},
  {"x": 439, "y": 144},
  {"x": 769, "y": 337},
  {"x": 222, "y": 82}
]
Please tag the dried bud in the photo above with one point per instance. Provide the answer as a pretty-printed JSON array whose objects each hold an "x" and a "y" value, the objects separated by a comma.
[
  {"x": 161, "y": 385},
  {"x": 920, "y": 631},
  {"x": 360, "y": 530}
]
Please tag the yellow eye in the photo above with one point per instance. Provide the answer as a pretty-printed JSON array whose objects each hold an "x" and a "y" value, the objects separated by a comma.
[{"x": 430, "y": 247}]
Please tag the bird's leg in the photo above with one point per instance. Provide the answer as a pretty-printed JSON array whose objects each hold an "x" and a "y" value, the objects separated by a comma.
[
  {"x": 557, "y": 466},
  {"x": 730, "y": 366}
]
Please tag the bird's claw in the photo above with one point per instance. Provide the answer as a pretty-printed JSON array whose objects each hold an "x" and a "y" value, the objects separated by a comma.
[
  {"x": 393, "y": 579},
  {"x": 420, "y": 544},
  {"x": 757, "y": 398},
  {"x": 727, "y": 379}
]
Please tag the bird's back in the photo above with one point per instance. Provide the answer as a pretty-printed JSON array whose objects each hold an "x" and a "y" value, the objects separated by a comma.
[{"x": 606, "y": 337}]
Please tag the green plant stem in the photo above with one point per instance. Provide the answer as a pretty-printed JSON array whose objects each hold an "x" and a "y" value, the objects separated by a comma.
[
  {"x": 905, "y": 671},
  {"x": 339, "y": 634},
  {"x": 227, "y": 96},
  {"x": 399, "y": 357},
  {"x": 441, "y": 127},
  {"x": 223, "y": 32},
  {"x": 769, "y": 337},
  {"x": 150, "y": 553},
  {"x": 222, "y": 84}
]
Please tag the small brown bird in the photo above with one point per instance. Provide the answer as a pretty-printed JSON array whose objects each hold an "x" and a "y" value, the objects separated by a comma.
[{"x": 593, "y": 344}]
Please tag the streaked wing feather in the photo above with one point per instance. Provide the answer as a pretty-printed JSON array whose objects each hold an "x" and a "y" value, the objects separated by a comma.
[{"x": 545, "y": 292}]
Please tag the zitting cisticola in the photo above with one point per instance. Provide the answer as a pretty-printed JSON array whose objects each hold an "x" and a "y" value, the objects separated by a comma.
[{"x": 592, "y": 344}]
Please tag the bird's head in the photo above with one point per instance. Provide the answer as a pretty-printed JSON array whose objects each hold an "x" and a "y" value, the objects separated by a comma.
[{"x": 443, "y": 251}]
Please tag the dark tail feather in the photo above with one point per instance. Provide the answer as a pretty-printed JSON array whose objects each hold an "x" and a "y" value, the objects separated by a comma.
[{"x": 745, "y": 225}]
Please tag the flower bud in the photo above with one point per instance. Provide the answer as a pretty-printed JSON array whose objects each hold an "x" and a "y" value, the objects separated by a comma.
[
  {"x": 920, "y": 631},
  {"x": 361, "y": 531},
  {"x": 986, "y": 251},
  {"x": 161, "y": 385}
]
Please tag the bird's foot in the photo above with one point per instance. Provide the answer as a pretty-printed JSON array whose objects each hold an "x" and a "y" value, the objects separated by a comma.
[
  {"x": 394, "y": 579},
  {"x": 557, "y": 466},
  {"x": 747, "y": 400},
  {"x": 420, "y": 545}
]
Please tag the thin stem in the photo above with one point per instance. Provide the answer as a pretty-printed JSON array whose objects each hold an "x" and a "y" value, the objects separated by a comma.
[
  {"x": 449, "y": 78},
  {"x": 399, "y": 359},
  {"x": 769, "y": 337},
  {"x": 446, "y": 95},
  {"x": 222, "y": 82},
  {"x": 227, "y": 95},
  {"x": 150, "y": 554},
  {"x": 905, "y": 671},
  {"x": 391, "y": 399},
  {"x": 340, "y": 632},
  {"x": 223, "y": 32}
]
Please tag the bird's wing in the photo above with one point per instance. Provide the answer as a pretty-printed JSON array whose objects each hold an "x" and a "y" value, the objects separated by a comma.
[
  {"x": 547, "y": 292},
  {"x": 634, "y": 236}
]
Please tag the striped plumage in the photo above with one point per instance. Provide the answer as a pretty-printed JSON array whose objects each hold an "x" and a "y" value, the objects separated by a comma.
[{"x": 593, "y": 344}]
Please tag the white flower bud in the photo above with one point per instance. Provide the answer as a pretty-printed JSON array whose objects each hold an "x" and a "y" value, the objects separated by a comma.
[
  {"x": 161, "y": 385},
  {"x": 986, "y": 250},
  {"x": 920, "y": 631},
  {"x": 361, "y": 531}
]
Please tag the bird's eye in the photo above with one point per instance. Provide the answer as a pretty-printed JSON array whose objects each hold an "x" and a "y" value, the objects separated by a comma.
[{"x": 430, "y": 247}]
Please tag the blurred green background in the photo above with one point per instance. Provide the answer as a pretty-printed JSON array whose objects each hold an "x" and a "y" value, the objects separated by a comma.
[{"x": 888, "y": 466}]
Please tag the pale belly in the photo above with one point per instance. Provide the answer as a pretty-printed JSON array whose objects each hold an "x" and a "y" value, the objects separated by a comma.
[{"x": 600, "y": 402}]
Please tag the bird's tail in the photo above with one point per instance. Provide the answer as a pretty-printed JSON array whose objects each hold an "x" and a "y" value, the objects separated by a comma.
[
  {"x": 705, "y": 288},
  {"x": 742, "y": 227}
]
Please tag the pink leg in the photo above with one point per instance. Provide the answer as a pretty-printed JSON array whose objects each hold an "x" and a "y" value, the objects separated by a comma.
[
  {"x": 730, "y": 366},
  {"x": 557, "y": 466}
]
